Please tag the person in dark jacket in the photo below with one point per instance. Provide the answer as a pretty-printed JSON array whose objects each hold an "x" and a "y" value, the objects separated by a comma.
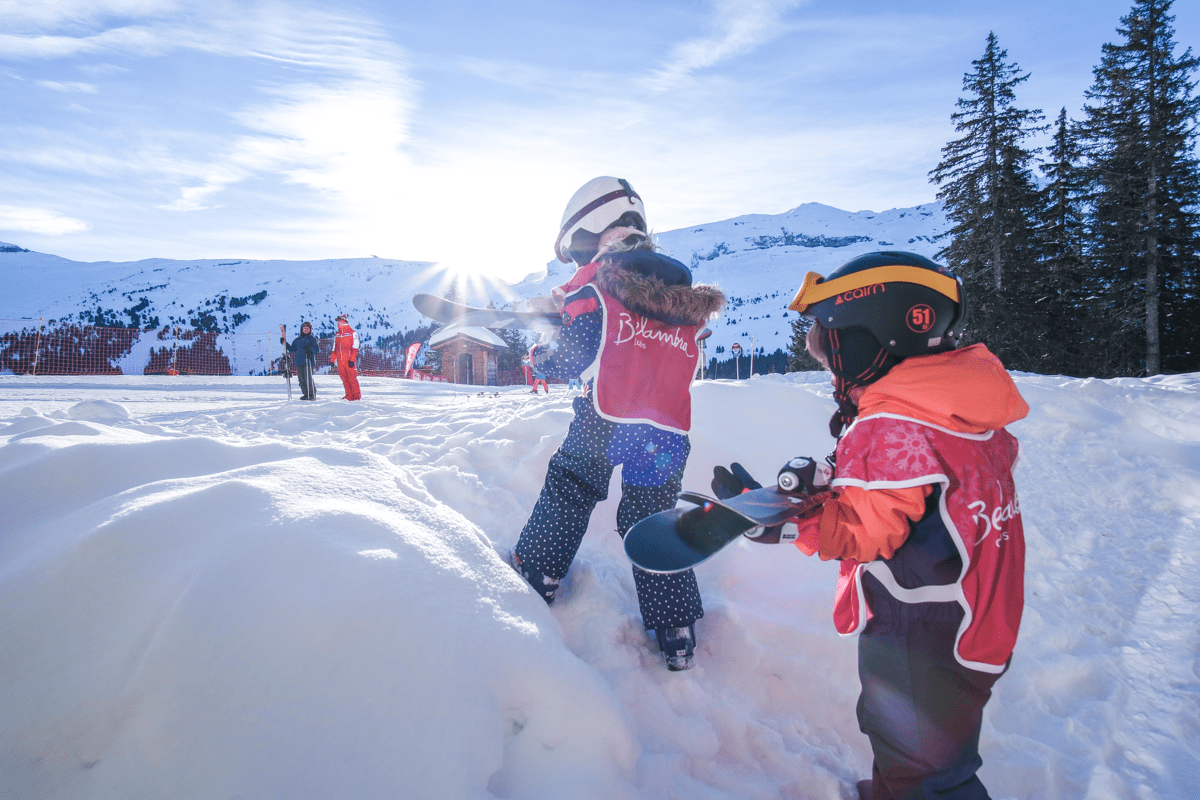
[
  {"x": 631, "y": 321},
  {"x": 305, "y": 348}
]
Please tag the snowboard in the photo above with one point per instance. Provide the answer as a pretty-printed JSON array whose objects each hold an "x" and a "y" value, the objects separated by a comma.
[
  {"x": 680, "y": 538},
  {"x": 463, "y": 316}
]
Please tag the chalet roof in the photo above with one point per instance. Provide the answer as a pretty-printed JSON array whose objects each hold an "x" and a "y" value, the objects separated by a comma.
[{"x": 483, "y": 335}]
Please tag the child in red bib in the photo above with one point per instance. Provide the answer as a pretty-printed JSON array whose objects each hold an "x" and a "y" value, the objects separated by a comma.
[
  {"x": 922, "y": 512},
  {"x": 631, "y": 320}
]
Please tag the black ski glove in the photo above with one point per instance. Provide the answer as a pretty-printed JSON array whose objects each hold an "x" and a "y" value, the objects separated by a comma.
[
  {"x": 350, "y": 364},
  {"x": 801, "y": 475},
  {"x": 727, "y": 483}
]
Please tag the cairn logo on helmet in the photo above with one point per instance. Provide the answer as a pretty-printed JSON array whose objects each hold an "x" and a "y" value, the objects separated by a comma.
[{"x": 859, "y": 293}]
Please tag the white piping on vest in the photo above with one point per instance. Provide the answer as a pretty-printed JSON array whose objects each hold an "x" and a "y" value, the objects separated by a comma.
[{"x": 951, "y": 592}]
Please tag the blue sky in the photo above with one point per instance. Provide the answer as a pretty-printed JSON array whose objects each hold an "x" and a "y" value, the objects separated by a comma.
[{"x": 456, "y": 131}]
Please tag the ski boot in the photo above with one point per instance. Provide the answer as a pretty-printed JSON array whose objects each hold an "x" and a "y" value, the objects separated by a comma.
[
  {"x": 678, "y": 646},
  {"x": 544, "y": 585}
]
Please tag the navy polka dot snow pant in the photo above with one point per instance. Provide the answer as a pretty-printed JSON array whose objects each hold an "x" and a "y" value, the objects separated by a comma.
[{"x": 577, "y": 478}]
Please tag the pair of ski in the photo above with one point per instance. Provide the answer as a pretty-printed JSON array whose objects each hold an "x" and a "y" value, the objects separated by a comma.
[
  {"x": 458, "y": 315},
  {"x": 287, "y": 367},
  {"x": 670, "y": 541}
]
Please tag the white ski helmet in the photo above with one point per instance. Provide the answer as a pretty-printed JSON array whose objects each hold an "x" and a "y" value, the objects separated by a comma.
[{"x": 597, "y": 206}]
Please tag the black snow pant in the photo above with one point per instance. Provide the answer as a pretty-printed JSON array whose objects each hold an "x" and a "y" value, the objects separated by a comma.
[
  {"x": 920, "y": 708},
  {"x": 304, "y": 376},
  {"x": 577, "y": 479}
]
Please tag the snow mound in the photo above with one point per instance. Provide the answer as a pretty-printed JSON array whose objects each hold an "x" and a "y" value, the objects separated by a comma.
[
  {"x": 98, "y": 411},
  {"x": 257, "y": 621}
]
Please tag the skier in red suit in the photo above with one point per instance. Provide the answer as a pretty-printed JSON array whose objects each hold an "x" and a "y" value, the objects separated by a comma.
[
  {"x": 535, "y": 372},
  {"x": 345, "y": 355}
]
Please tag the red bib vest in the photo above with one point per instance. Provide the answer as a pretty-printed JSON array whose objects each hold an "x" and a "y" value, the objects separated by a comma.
[
  {"x": 644, "y": 369},
  {"x": 979, "y": 511}
]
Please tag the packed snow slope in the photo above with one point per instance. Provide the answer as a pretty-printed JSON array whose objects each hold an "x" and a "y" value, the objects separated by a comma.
[
  {"x": 759, "y": 260},
  {"x": 207, "y": 591}
]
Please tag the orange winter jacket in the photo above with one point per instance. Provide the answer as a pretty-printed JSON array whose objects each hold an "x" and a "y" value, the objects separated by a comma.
[{"x": 965, "y": 391}]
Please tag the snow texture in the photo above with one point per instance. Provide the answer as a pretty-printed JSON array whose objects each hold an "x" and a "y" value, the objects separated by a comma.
[{"x": 209, "y": 592}]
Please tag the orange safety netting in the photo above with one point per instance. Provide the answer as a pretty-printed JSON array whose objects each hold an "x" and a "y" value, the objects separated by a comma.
[{"x": 36, "y": 347}]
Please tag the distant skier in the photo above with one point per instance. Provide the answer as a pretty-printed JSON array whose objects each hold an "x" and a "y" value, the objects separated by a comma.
[
  {"x": 527, "y": 370},
  {"x": 345, "y": 355},
  {"x": 537, "y": 372},
  {"x": 923, "y": 515},
  {"x": 631, "y": 320},
  {"x": 306, "y": 348}
]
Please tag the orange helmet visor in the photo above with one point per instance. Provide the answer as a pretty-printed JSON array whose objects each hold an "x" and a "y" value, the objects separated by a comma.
[
  {"x": 803, "y": 300},
  {"x": 815, "y": 288}
]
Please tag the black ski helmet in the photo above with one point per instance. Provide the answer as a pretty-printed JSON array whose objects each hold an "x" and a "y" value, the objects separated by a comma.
[
  {"x": 909, "y": 304},
  {"x": 876, "y": 310}
]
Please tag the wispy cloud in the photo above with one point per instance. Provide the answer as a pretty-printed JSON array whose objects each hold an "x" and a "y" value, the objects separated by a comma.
[
  {"x": 68, "y": 86},
  {"x": 339, "y": 131},
  {"x": 191, "y": 198},
  {"x": 103, "y": 69},
  {"x": 138, "y": 39},
  {"x": 333, "y": 118},
  {"x": 38, "y": 220},
  {"x": 23, "y": 16},
  {"x": 739, "y": 26}
]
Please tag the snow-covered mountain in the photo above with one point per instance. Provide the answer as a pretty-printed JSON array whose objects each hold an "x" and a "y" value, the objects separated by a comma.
[
  {"x": 758, "y": 259},
  {"x": 223, "y": 295}
]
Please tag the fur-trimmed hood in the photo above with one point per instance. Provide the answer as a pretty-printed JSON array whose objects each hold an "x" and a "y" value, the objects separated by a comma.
[{"x": 650, "y": 297}]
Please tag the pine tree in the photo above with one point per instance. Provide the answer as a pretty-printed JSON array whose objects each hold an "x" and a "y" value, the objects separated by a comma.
[
  {"x": 1139, "y": 135},
  {"x": 798, "y": 359},
  {"x": 992, "y": 199},
  {"x": 509, "y": 359},
  {"x": 1060, "y": 293}
]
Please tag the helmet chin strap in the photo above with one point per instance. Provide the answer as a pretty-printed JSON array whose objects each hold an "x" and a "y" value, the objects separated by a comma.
[
  {"x": 844, "y": 381},
  {"x": 847, "y": 410}
]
